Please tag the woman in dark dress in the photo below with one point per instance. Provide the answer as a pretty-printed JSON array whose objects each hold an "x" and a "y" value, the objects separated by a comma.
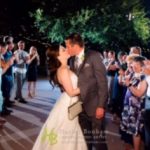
[
  {"x": 32, "y": 71},
  {"x": 119, "y": 91}
]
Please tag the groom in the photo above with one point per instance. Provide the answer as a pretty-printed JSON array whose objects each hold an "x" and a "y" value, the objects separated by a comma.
[{"x": 93, "y": 86}]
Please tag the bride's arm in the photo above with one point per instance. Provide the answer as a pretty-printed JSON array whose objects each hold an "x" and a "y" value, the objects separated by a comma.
[{"x": 65, "y": 81}]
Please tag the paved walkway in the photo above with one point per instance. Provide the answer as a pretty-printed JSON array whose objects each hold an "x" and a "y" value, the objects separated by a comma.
[{"x": 24, "y": 124}]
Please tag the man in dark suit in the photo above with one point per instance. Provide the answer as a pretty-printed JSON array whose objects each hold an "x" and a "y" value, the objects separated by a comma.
[{"x": 92, "y": 82}]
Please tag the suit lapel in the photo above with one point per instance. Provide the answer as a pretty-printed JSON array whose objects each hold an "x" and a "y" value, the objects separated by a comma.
[
  {"x": 72, "y": 64},
  {"x": 82, "y": 65}
]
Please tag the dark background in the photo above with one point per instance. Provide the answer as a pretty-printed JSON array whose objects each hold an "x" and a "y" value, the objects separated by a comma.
[{"x": 15, "y": 21}]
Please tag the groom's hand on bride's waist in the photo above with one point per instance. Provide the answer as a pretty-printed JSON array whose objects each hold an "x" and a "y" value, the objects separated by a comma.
[{"x": 100, "y": 113}]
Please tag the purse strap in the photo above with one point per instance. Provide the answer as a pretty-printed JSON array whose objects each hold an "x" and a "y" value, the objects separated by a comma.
[
  {"x": 71, "y": 101},
  {"x": 75, "y": 101}
]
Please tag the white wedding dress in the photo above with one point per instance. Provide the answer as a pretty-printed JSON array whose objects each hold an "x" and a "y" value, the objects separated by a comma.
[{"x": 58, "y": 132}]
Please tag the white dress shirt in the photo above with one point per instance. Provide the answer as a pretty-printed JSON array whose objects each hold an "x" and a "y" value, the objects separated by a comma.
[{"x": 80, "y": 58}]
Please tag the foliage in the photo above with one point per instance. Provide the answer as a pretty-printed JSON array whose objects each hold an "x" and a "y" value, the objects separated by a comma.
[
  {"x": 106, "y": 23},
  {"x": 141, "y": 25}
]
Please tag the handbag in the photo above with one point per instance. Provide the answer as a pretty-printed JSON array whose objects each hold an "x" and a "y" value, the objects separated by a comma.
[{"x": 74, "y": 110}]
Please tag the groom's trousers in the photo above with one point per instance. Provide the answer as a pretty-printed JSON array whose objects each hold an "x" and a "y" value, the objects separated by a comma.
[{"x": 93, "y": 132}]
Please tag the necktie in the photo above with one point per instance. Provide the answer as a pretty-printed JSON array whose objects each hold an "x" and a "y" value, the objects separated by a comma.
[{"x": 76, "y": 62}]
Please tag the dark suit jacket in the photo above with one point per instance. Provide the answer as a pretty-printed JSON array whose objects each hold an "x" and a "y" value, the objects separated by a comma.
[{"x": 92, "y": 82}]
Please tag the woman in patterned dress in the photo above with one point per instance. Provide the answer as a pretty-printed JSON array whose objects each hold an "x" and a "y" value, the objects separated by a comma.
[{"x": 132, "y": 123}]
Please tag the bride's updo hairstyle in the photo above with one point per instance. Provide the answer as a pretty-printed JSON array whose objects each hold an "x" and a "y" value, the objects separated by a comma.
[{"x": 53, "y": 63}]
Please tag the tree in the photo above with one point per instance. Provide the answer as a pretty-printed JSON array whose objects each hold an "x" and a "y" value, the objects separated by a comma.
[{"x": 110, "y": 24}]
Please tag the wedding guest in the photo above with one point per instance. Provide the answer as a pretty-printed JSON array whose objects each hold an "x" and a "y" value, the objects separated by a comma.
[
  {"x": 146, "y": 71},
  {"x": 21, "y": 68},
  {"x": 119, "y": 93},
  {"x": 105, "y": 57},
  {"x": 132, "y": 123},
  {"x": 8, "y": 77},
  {"x": 33, "y": 62},
  {"x": 118, "y": 89},
  {"x": 5, "y": 66},
  {"x": 112, "y": 68},
  {"x": 135, "y": 50}
]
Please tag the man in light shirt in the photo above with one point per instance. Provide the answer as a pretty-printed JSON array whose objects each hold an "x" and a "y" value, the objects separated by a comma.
[{"x": 21, "y": 68}]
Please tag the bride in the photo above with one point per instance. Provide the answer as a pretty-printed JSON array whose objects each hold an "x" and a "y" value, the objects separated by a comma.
[{"x": 59, "y": 132}]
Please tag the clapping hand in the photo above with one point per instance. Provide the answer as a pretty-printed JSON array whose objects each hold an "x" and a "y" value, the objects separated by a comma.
[
  {"x": 127, "y": 80},
  {"x": 36, "y": 55},
  {"x": 16, "y": 56}
]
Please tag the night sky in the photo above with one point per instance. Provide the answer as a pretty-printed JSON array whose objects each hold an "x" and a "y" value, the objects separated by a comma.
[
  {"x": 14, "y": 15},
  {"x": 147, "y": 5}
]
